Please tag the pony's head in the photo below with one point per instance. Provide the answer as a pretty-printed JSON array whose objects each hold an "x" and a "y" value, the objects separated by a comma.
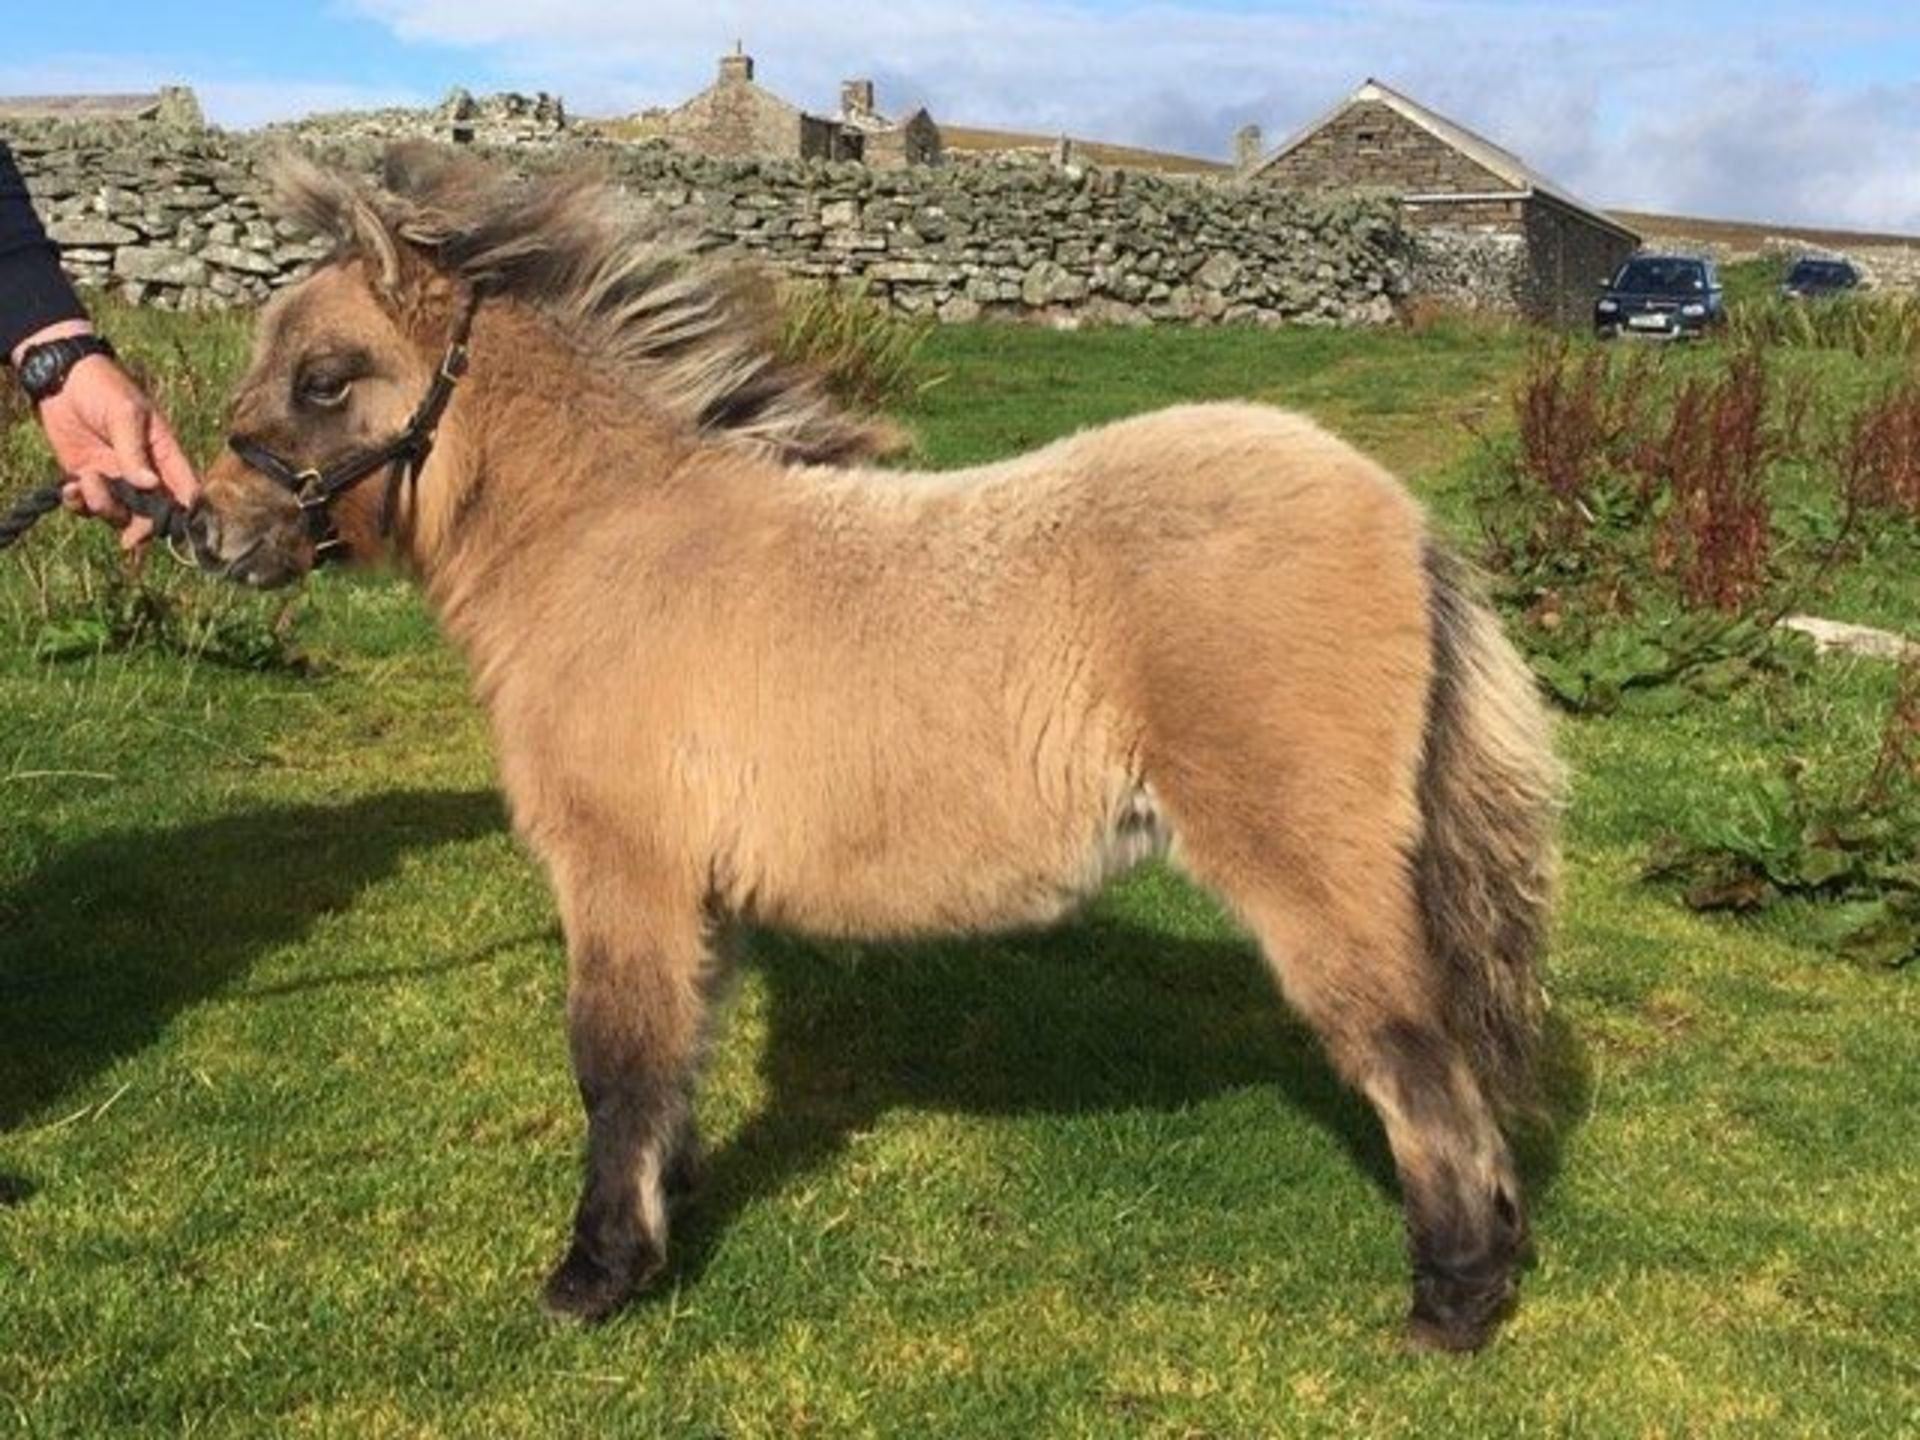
[{"x": 351, "y": 433}]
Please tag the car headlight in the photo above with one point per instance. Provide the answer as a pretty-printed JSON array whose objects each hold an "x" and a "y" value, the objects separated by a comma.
[
  {"x": 1607, "y": 307},
  {"x": 1693, "y": 310}
]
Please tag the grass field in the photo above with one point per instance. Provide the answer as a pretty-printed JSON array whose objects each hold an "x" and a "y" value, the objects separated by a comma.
[{"x": 288, "y": 1138}]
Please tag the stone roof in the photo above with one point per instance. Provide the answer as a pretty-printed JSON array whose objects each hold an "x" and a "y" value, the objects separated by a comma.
[{"x": 1497, "y": 160}]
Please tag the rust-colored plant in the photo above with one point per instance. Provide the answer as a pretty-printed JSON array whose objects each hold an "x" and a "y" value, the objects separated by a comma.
[
  {"x": 1880, "y": 459},
  {"x": 1716, "y": 537},
  {"x": 1561, "y": 409},
  {"x": 1896, "y": 769},
  {"x": 1580, "y": 417}
]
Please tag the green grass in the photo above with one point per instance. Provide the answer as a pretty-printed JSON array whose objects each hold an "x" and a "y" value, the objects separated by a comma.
[{"x": 288, "y": 1137}]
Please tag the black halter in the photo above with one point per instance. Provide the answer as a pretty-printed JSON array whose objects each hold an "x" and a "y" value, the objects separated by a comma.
[{"x": 404, "y": 456}]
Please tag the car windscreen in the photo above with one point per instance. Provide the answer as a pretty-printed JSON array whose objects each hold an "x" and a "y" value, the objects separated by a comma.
[{"x": 1662, "y": 277}]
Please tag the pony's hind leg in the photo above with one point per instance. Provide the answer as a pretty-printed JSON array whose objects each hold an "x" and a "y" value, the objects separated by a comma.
[
  {"x": 1358, "y": 973},
  {"x": 636, "y": 1007}
]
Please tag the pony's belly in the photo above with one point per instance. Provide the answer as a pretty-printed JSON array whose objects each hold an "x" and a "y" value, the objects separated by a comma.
[{"x": 1017, "y": 882}]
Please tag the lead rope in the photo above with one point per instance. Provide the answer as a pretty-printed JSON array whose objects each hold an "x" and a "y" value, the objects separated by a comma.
[{"x": 169, "y": 519}]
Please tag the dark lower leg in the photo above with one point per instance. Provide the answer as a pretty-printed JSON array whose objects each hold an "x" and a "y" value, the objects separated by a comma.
[
  {"x": 633, "y": 1032},
  {"x": 1465, "y": 1226},
  {"x": 619, "y": 1228},
  {"x": 1465, "y": 1251}
]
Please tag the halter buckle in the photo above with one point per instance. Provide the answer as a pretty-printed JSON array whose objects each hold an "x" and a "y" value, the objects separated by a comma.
[
  {"x": 310, "y": 489},
  {"x": 454, "y": 363}
]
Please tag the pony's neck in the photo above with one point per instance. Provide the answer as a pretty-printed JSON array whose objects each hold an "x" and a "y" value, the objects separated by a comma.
[{"x": 537, "y": 450}]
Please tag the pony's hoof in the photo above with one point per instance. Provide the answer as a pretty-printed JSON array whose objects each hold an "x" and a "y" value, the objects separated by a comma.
[
  {"x": 1455, "y": 1316},
  {"x": 583, "y": 1289},
  {"x": 1437, "y": 1337}
]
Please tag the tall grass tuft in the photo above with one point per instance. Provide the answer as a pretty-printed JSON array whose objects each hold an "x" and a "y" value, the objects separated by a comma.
[
  {"x": 866, "y": 354},
  {"x": 1864, "y": 325}
]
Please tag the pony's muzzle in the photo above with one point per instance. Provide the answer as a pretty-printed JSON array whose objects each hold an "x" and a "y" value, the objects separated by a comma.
[{"x": 264, "y": 552}]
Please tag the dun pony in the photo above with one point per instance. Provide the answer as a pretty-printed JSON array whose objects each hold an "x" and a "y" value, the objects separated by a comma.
[{"x": 737, "y": 674}]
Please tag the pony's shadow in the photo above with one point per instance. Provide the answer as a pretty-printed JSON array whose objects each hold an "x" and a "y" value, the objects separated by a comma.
[
  {"x": 1096, "y": 1016},
  {"x": 109, "y": 939}
]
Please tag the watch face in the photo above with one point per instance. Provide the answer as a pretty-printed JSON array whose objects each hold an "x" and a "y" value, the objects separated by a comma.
[{"x": 41, "y": 370}]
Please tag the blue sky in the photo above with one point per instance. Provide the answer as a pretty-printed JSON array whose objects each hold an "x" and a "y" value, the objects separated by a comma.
[{"x": 1759, "y": 110}]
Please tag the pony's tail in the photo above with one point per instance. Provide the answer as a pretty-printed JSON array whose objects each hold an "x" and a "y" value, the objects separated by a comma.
[{"x": 1490, "y": 794}]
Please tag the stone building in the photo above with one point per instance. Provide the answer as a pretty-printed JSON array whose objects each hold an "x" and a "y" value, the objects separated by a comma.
[
  {"x": 888, "y": 144},
  {"x": 736, "y": 117},
  {"x": 1496, "y": 230},
  {"x": 739, "y": 118},
  {"x": 504, "y": 119}
]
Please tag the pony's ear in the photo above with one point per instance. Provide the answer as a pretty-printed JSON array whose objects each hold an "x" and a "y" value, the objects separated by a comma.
[{"x": 330, "y": 204}]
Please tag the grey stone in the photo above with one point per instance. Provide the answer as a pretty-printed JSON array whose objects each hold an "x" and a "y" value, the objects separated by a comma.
[
  {"x": 1047, "y": 282},
  {"x": 1218, "y": 272},
  {"x": 917, "y": 272},
  {"x": 158, "y": 267},
  {"x": 236, "y": 257},
  {"x": 90, "y": 230}
]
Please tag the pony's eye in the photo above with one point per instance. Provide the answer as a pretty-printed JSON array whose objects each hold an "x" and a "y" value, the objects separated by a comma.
[{"x": 323, "y": 391}]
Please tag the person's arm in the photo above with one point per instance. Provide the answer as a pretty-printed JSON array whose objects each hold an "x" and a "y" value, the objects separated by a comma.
[
  {"x": 35, "y": 298},
  {"x": 100, "y": 423}
]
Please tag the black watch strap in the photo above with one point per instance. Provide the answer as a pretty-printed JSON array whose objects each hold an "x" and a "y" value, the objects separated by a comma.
[{"x": 45, "y": 367}]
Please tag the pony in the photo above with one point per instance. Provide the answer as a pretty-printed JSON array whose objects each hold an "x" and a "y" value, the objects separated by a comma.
[{"x": 739, "y": 674}]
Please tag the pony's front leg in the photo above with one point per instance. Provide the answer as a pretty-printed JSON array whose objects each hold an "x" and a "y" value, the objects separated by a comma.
[{"x": 636, "y": 1005}]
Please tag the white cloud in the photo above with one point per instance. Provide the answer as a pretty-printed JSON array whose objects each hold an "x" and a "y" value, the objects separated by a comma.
[{"x": 1784, "y": 150}]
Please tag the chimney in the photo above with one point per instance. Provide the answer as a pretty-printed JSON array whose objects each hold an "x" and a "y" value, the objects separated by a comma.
[
  {"x": 738, "y": 66},
  {"x": 856, "y": 97},
  {"x": 1246, "y": 148}
]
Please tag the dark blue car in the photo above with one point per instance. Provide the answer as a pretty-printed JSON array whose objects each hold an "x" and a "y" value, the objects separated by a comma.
[
  {"x": 1818, "y": 278},
  {"x": 1663, "y": 297}
]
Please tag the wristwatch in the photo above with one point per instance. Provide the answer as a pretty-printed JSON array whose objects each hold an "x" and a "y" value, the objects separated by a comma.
[{"x": 44, "y": 368}]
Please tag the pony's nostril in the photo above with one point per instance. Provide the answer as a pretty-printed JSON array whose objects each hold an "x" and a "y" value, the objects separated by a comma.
[{"x": 203, "y": 534}]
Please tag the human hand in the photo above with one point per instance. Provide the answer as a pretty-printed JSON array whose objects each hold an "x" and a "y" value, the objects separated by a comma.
[{"x": 102, "y": 424}]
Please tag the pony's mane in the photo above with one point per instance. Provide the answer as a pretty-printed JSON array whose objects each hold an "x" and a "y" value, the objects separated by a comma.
[{"x": 694, "y": 336}]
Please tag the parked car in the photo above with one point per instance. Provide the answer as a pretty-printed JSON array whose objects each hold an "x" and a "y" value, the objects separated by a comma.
[
  {"x": 1816, "y": 277},
  {"x": 1663, "y": 297}
]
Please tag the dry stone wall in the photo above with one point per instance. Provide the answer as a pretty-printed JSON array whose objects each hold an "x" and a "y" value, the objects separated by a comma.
[
  {"x": 1105, "y": 246},
  {"x": 169, "y": 218},
  {"x": 180, "y": 220}
]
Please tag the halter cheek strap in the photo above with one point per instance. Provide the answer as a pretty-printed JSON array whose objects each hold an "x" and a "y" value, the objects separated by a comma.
[{"x": 404, "y": 456}]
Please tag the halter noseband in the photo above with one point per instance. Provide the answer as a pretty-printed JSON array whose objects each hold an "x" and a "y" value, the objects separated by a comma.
[{"x": 404, "y": 456}]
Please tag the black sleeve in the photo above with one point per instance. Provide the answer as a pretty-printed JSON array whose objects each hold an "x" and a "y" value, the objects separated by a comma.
[{"x": 34, "y": 292}]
